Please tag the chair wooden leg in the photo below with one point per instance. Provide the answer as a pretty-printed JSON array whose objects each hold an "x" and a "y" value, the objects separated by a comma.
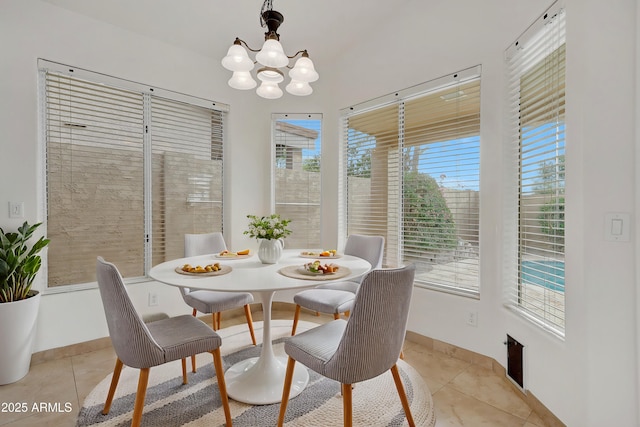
[
  {"x": 347, "y": 313},
  {"x": 286, "y": 389},
  {"x": 217, "y": 361},
  {"x": 114, "y": 383},
  {"x": 347, "y": 405},
  {"x": 336, "y": 316},
  {"x": 193, "y": 358},
  {"x": 247, "y": 314},
  {"x": 401, "y": 355},
  {"x": 138, "y": 406},
  {"x": 402, "y": 394},
  {"x": 214, "y": 321},
  {"x": 219, "y": 320},
  {"x": 184, "y": 371},
  {"x": 296, "y": 316}
]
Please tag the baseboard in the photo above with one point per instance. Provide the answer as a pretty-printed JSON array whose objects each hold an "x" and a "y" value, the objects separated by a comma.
[{"x": 70, "y": 350}]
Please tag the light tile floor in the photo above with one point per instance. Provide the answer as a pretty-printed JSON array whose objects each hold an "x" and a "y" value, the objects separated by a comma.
[{"x": 464, "y": 394}]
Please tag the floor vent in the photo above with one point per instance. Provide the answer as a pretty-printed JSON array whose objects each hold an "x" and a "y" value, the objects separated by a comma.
[{"x": 515, "y": 361}]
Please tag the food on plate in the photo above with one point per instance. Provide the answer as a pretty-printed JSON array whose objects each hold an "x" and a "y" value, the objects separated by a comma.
[
  {"x": 317, "y": 267},
  {"x": 323, "y": 253},
  {"x": 228, "y": 254},
  {"x": 200, "y": 269}
]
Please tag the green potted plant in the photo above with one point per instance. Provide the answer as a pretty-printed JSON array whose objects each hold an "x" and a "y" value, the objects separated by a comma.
[{"x": 19, "y": 264}]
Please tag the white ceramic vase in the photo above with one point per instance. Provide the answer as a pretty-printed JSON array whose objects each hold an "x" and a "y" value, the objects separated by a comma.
[
  {"x": 18, "y": 329},
  {"x": 270, "y": 251}
]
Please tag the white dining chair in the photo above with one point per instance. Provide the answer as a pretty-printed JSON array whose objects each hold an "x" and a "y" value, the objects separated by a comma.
[
  {"x": 336, "y": 298},
  {"x": 213, "y": 302}
]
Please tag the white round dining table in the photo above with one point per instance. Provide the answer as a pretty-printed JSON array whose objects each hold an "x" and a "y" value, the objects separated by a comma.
[{"x": 258, "y": 380}]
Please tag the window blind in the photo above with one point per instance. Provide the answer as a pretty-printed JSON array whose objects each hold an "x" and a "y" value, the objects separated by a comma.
[
  {"x": 372, "y": 177},
  {"x": 297, "y": 140},
  {"x": 187, "y": 157},
  {"x": 94, "y": 161},
  {"x": 441, "y": 189},
  {"x": 536, "y": 89},
  {"x": 128, "y": 173},
  {"x": 412, "y": 176}
]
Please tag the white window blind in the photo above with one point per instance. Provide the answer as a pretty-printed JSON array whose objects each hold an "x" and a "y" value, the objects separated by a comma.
[
  {"x": 536, "y": 78},
  {"x": 441, "y": 197},
  {"x": 127, "y": 175},
  {"x": 297, "y": 140},
  {"x": 95, "y": 179},
  {"x": 412, "y": 176},
  {"x": 372, "y": 177},
  {"x": 187, "y": 156}
]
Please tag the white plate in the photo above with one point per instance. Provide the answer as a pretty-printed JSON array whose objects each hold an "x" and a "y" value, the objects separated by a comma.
[
  {"x": 316, "y": 255},
  {"x": 231, "y": 256}
]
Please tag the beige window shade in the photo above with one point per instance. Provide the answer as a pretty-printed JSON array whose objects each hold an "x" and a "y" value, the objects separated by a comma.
[
  {"x": 412, "y": 176},
  {"x": 127, "y": 174},
  {"x": 535, "y": 277},
  {"x": 297, "y": 140}
]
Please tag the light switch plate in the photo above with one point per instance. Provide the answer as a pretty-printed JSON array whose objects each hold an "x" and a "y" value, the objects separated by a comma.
[
  {"x": 16, "y": 209},
  {"x": 616, "y": 227}
]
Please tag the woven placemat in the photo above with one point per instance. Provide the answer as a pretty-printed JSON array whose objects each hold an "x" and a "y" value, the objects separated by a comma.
[{"x": 294, "y": 271}]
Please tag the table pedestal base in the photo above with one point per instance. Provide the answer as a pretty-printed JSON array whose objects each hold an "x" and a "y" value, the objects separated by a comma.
[{"x": 259, "y": 382}]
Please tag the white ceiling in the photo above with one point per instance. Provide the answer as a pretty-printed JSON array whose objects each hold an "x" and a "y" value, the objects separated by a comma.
[{"x": 325, "y": 28}]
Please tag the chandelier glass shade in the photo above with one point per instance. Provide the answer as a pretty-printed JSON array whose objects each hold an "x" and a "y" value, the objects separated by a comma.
[{"x": 271, "y": 58}]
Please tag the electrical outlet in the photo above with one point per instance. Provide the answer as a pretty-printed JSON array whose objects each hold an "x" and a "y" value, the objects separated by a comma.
[
  {"x": 153, "y": 299},
  {"x": 472, "y": 318}
]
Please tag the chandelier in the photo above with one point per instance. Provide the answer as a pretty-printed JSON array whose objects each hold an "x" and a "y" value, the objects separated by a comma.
[{"x": 271, "y": 58}]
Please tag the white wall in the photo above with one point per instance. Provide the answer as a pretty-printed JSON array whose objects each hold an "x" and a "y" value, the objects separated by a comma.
[{"x": 590, "y": 379}]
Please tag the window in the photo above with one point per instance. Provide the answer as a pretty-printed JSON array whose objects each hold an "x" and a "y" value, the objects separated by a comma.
[
  {"x": 297, "y": 143},
  {"x": 128, "y": 173},
  {"x": 412, "y": 171},
  {"x": 536, "y": 148}
]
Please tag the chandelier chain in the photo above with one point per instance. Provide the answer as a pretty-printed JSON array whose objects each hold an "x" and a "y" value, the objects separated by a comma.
[{"x": 267, "y": 5}]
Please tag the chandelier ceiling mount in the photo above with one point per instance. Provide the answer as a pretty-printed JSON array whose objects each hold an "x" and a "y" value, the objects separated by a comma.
[{"x": 271, "y": 59}]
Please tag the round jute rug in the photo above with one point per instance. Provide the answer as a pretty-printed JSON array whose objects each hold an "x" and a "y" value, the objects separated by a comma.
[{"x": 170, "y": 403}]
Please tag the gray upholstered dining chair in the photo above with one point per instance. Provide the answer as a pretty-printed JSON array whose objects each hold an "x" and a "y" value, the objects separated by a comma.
[
  {"x": 144, "y": 345},
  {"x": 214, "y": 302},
  {"x": 365, "y": 346},
  {"x": 335, "y": 298}
]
